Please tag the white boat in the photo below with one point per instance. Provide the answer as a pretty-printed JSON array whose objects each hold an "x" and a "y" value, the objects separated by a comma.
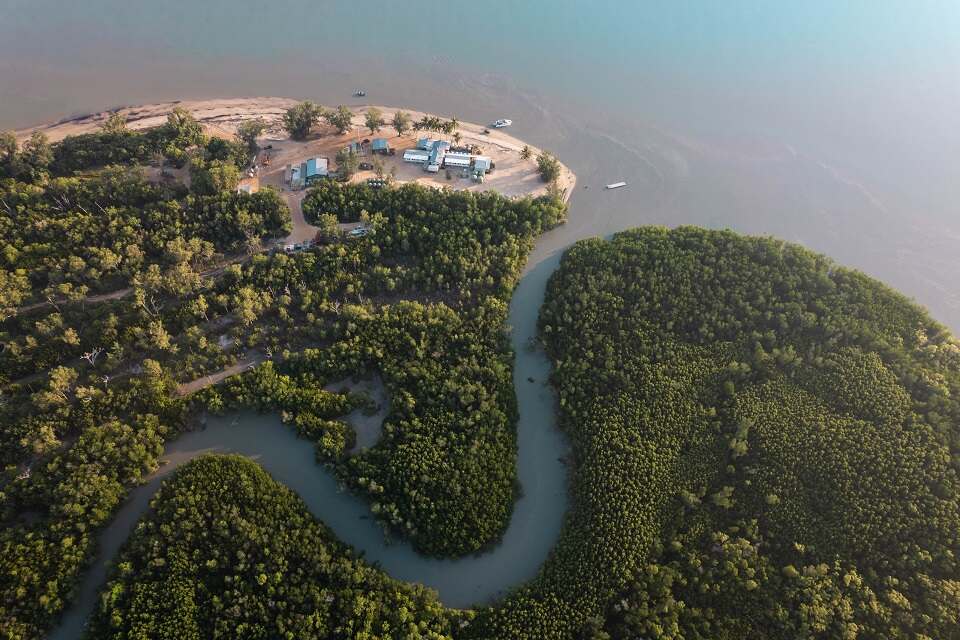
[
  {"x": 616, "y": 185},
  {"x": 501, "y": 123}
]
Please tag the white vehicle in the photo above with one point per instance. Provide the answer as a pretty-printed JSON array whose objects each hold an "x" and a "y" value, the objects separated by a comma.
[
  {"x": 616, "y": 185},
  {"x": 501, "y": 123},
  {"x": 359, "y": 232}
]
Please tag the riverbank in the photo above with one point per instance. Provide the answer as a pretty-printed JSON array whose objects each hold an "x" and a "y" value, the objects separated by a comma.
[{"x": 513, "y": 176}]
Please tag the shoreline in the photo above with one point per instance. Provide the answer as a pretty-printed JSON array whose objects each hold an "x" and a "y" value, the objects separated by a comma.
[{"x": 221, "y": 116}]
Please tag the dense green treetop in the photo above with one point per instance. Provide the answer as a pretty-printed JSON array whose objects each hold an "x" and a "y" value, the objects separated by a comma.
[
  {"x": 340, "y": 118},
  {"x": 227, "y": 552},
  {"x": 765, "y": 446},
  {"x": 422, "y": 295}
]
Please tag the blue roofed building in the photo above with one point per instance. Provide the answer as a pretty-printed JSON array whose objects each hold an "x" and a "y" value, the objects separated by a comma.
[
  {"x": 380, "y": 145},
  {"x": 315, "y": 169}
]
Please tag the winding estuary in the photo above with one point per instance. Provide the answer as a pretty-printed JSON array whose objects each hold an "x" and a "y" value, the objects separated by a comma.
[{"x": 473, "y": 580}]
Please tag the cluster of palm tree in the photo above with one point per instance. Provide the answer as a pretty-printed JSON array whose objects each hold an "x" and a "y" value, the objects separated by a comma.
[{"x": 439, "y": 125}]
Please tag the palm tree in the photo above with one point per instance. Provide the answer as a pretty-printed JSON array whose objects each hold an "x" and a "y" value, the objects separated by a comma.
[{"x": 457, "y": 138}]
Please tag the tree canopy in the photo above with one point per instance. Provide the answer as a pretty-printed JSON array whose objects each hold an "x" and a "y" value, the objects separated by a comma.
[
  {"x": 227, "y": 552},
  {"x": 340, "y": 118},
  {"x": 373, "y": 119},
  {"x": 300, "y": 118},
  {"x": 420, "y": 300},
  {"x": 764, "y": 446},
  {"x": 401, "y": 122},
  {"x": 248, "y": 131},
  {"x": 548, "y": 166}
]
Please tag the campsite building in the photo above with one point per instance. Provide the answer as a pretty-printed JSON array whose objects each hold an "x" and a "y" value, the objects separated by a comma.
[
  {"x": 434, "y": 154},
  {"x": 418, "y": 156},
  {"x": 482, "y": 163},
  {"x": 315, "y": 169},
  {"x": 457, "y": 159},
  {"x": 437, "y": 155}
]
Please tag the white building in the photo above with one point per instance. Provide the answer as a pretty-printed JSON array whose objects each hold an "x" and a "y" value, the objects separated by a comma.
[
  {"x": 418, "y": 156},
  {"x": 457, "y": 159}
]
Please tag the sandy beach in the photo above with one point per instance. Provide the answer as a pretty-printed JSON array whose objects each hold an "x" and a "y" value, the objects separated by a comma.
[{"x": 513, "y": 175}]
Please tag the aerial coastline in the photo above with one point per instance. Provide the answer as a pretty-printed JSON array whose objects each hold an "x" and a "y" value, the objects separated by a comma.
[
  {"x": 350, "y": 321},
  {"x": 406, "y": 276},
  {"x": 220, "y": 117}
]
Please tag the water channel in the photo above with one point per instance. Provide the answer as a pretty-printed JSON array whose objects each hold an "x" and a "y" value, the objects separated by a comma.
[{"x": 473, "y": 580}]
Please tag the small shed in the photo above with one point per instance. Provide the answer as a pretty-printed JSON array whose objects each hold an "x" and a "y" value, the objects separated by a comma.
[
  {"x": 316, "y": 168},
  {"x": 380, "y": 145},
  {"x": 482, "y": 163}
]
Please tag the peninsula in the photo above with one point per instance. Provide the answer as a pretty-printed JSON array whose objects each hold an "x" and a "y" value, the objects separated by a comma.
[{"x": 263, "y": 377}]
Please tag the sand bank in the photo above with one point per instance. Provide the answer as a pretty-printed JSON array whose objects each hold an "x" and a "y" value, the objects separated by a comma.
[{"x": 513, "y": 176}]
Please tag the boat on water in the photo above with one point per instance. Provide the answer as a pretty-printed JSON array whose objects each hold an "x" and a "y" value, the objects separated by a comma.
[
  {"x": 501, "y": 123},
  {"x": 359, "y": 93},
  {"x": 616, "y": 185}
]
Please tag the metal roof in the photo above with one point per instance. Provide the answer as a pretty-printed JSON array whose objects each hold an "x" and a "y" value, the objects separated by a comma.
[
  {"x": 439, "y": 150},
  {"x": 316, "y": 167},
  {"x": 458, "y": 160},
  {"x": 380, "y": 143}
]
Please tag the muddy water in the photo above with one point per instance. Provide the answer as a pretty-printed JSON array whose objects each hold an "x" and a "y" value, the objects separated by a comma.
[
  {"x": 833, "y": 124},
  {"x": 468, "y": 581}
]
